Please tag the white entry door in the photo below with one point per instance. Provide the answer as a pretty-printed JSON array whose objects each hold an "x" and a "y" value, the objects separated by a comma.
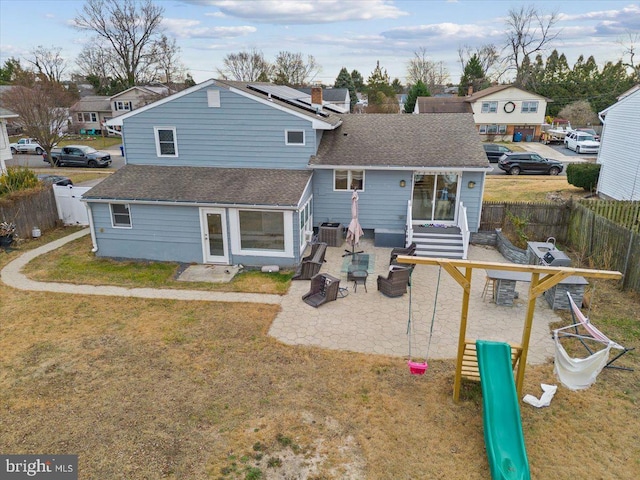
[{"x": 214, "y": 235}]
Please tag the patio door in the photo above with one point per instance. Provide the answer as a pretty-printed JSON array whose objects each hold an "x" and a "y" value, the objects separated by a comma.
[
  {"x": 213, "y": 224},
  {"x": 434, "y": 198}
]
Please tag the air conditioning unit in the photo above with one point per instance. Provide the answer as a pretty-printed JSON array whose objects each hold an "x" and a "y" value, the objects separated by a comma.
[{"x": 308, "y": 235}]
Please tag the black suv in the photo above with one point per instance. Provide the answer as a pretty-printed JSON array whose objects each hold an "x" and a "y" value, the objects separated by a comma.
[
  {"x": 528, "y": 162},
  {"x": 494, "y": 152}
]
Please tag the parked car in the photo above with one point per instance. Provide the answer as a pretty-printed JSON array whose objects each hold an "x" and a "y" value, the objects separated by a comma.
[
  {"x": 79, "y": 155},
  {"x": 55, "y": 180},
  {"x": 494, "y": 151},
  {"x": 581, "y": 142},
  {"x": 26, "y": 145},
  {"x": 515, "y": 163},
  {"x": 590, "y": 131}
]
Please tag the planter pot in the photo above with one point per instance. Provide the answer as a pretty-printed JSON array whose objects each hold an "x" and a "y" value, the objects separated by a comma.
[{"x": 6, "y": 240}]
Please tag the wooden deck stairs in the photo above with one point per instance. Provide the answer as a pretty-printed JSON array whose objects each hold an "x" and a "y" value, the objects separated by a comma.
[
  {"x": 470, "y": 359},
  {"x": 440, "y": 242}
]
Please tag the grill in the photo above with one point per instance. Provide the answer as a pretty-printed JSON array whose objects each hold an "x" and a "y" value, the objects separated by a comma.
[{"x": 556, "y": 258}]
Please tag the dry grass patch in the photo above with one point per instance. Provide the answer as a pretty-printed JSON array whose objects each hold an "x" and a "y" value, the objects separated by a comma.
[
  {"x": 532, "y": 188},
  {"x": 74, "y": 263}
]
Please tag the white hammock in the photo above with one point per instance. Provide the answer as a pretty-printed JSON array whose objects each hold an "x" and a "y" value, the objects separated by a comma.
[{"x": 578, "y": 373}]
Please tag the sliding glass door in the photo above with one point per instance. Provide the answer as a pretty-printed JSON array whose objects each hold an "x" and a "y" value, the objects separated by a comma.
[{"x": 434, "y": 198}]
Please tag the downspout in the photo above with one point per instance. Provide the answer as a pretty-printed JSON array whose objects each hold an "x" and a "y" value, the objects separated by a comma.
[{"x": 94, "y": 241}]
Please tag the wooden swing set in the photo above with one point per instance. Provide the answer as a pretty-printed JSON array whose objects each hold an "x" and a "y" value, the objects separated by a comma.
[{"x": 542, "y": 279}]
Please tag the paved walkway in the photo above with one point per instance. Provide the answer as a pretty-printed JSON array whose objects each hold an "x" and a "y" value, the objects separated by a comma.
[{"x": 367, "y": 322}]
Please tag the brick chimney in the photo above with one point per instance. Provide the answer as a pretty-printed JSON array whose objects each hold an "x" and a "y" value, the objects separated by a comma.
[{"x": 316, "y": 97}]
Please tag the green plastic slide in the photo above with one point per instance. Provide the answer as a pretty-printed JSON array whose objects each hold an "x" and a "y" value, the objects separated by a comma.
[{"x": 501, "y": 413}]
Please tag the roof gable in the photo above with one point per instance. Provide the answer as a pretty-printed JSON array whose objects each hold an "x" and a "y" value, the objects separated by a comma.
[{"x": 499, "y": 88}]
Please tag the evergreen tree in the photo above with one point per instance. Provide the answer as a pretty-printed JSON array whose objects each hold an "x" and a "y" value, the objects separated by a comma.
[
  {"x": 358, "y": 80},
  {"x": 472, "y": 76},
  {"x": 397, "y": 86},
  {"x": 418, "y": 90},
  {"x": 344, "y": 80}
]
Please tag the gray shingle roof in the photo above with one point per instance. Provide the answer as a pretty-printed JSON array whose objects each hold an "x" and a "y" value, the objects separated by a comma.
[
  {"x": 233, "y": 186},
  {"x": 92, "y": 103},
  {"x": 444, "y": 105},
  {"x": 388, "y": 140}
]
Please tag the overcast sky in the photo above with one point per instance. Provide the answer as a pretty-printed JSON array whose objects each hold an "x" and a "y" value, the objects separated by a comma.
[{"x": 338, "y": 33}]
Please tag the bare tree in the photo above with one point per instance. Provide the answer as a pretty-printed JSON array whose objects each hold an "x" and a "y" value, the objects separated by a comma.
[
  {"x": 42, "y": 109},
  {"x": 630, "y": 50},
  {"x": 487, "y": 55},
  {"x": 131, "y": 28},
  {"x": 420, "y": 68},
  {"x": 245, "y": 66},
  {"x": 529, "y": 32},
  {"x": 170, "y": 69},
  {"x": 292, "y": 69},
  {"x": 48, "y": 62}
]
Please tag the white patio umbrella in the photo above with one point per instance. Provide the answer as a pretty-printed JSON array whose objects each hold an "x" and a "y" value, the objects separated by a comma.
[{"x": 354, "y": 232}]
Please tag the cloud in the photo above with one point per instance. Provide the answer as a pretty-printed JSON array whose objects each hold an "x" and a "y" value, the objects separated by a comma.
[
  {"x": 441, "y": 31},
  {"x": 608, "y": 22},
  {"x": 302, "y": 12},
  {"x": 185, "y": 28}
]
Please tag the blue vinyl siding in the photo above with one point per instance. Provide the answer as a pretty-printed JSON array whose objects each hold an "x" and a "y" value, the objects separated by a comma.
[
  {"x": 241, "y": 133},
  {"x": 382, "y": 204},
  {"x": 159, "y": 232},
  {"x": 168, "y": 233},
  {"x": 472, "y": 197}
]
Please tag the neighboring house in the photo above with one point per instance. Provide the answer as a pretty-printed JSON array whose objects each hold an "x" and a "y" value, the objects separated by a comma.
[
  {"x": 89, "y": 114},
  {"x": 334, "y": 96},
  {"x": 442, "y": 105},
  {"x": 502, "y": 111},
  {"x": 234, "y": 173},
  {"x": 619, "y": 154},
  {"x": 136, "y": 97},
  {"x": 5, "y": 149}
]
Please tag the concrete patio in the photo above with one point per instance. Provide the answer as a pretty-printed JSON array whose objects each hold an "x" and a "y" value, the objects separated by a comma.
[{"x": 370, "y": 322}]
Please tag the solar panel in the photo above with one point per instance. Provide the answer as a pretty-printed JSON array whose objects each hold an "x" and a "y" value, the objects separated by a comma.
[{"x": 288, "y": 95}]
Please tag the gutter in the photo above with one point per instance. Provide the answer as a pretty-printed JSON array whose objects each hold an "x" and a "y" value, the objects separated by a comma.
[{"x": 94, "y": 241}]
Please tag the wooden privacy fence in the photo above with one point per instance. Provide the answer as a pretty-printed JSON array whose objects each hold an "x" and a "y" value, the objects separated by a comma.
[
  {"x": 625, "y": 214},
  {"x": 28, "y": 209},
  {"x": 540, "y": 220},
  {"x": 607, "y": 244}
]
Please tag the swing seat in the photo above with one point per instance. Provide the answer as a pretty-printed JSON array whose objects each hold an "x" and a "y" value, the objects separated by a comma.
[{"x": 417, "y": 368}]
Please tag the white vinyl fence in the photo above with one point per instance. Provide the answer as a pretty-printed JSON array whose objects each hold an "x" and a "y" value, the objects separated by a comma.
[{"x": 70, "y": 209}]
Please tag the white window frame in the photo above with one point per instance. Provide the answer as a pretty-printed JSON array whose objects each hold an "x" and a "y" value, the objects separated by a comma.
[
  {"x": 489, "y": 107},
  {"x": 122, "y": 106},
  {"x": 113, "y": 214},
  {"x": 349, "y": 180},
  {"x": 236, "y": 244},
  {"x": 527, "y": 107},
  {"x": 305, "y": 220},
  {"x": 304, "y": 138},
  {"x": 486, "y": 129},
  {"x": 87, "y": 117},
  {"x": 156, "y": 134}
]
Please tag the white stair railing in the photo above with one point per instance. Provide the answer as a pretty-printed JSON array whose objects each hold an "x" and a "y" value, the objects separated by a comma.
[
  {"x": 463, "y": 225},
  {"x": 409, "y": 238}
]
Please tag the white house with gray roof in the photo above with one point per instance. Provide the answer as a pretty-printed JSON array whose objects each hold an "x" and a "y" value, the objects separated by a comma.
[
  {"x": 243, "y": 173},
  {"x": 5, "y": 149}
]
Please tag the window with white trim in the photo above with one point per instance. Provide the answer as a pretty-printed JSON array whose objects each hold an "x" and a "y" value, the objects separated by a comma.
[
  {"x": 492, "y": 129},
  {"x": 261, "y": 230},
  {"x": 529, "y": 107},
  {"x": 86, "y": 117},
  {"x": 119, "y": 106},
  {"x": 120, "y": 215},
  {"x": 166, "y": 141},
  {"x": 294, "y": 137},
  {"x": 348, "y": 179},
  {"x": 489, "y": 107}
]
